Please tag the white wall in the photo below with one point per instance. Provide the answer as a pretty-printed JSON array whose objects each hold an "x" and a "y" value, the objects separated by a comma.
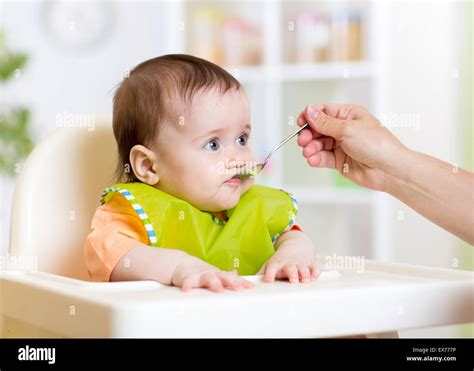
[{"x": 425, "y": 79}]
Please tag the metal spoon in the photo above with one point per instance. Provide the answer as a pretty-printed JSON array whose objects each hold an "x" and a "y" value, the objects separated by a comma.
[{"x": 253, "y": 172}]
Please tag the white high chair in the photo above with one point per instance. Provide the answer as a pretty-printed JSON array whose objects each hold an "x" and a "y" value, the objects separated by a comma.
[{"x": 55, "y": 198}]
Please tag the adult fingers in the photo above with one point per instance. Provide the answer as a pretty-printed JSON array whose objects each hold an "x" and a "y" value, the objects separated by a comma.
[
  {"x": 325, "y": 124},
  {"x": 316, "y": 145},
  {"x": 343, "y": 111},
  {"x": 301, "y": 120},
  {"x": 304, "y": 137},
  {"x": 328, "y": 159},
  {"x": 324, "y": 159}
]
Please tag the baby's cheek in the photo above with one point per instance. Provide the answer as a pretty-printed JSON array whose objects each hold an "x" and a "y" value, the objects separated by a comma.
[
  {"x": 202, "y": 195},
  {"x": 250, "y": 157},
  {"x": 210, "y": 177}
]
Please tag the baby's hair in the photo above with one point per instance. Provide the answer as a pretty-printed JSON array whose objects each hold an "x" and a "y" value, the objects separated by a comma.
[{"x": 142, "y": 100}]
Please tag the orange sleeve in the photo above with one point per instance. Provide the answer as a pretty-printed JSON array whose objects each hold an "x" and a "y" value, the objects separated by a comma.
[
  {"x": 115, "y": 230},
  {"x": 296, "y": 227}
]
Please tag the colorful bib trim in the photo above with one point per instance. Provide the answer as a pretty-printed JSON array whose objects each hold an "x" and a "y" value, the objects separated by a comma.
[
  {"x": 292, "y": 218},
  {"x": 138, "y": 209}
]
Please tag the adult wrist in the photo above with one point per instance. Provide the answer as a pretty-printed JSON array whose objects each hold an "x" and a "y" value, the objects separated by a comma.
[{"x": 399, "y": 170}]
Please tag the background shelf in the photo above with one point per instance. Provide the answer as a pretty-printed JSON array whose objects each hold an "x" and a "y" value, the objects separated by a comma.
[{"x": 303, "y": 72}]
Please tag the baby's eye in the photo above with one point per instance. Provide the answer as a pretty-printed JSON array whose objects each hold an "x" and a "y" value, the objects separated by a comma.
[
  {"x": 212, "y": 145},
  {"x": 242, "y": 140}
]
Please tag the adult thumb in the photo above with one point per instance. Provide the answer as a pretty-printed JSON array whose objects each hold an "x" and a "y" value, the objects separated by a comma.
[{"x": 324, "y": 124}]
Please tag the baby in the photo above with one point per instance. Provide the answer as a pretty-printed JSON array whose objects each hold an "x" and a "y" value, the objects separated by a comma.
[{"x": 180, "y": 215}]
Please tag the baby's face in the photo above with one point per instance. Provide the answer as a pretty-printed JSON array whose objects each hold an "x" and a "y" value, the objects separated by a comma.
[{"x": 198, "y": 155}]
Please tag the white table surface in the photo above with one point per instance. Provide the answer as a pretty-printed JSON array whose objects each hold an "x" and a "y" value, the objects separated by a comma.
[{"x": 383, "y": 297}]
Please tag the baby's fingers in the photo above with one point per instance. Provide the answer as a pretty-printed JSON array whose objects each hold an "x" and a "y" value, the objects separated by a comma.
[
  {"x": 189, "y": 282},
  {"x": 304, "y": 273},
  {"x": 271, "y": 272},
  {"x": 233, "y": 281},
  {"x": 291, "y": 271},
  {"x": 229, "y": 280},
  {"x": 212, "y": 281},
  {"x": 314, "y": 271},
  {"x": 206, "y": 280}
]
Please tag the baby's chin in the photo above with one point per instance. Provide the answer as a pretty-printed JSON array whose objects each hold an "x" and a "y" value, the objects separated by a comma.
[
  {"x": 221, "y": 205},
  {"x": 227, "y": 205},
  {"x": 227, "y": 197},
  {"x": 225, "y": 201}
]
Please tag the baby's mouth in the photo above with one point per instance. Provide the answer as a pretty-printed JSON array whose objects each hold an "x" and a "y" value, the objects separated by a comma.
[
  {"x": 240, "y": 174},
  {"x": 235, "y": 180}
]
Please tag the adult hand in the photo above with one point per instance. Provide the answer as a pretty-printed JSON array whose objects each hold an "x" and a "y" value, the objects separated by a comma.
[{"x": 350, "y": 139}]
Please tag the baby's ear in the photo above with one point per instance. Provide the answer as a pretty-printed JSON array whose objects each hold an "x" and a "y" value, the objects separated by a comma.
[{"x": 144, "y": 164}]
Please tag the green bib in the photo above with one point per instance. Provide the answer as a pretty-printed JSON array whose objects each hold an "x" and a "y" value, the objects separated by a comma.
[{"x": 243, "y": 242}]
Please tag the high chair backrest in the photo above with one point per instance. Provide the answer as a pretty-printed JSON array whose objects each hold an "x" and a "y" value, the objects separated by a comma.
[{"x": 56, "y": 194}]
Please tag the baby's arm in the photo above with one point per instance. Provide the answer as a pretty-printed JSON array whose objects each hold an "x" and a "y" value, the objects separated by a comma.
[
  {"x": 174, "y": 267},
  {"x": 295, "y": 259}
]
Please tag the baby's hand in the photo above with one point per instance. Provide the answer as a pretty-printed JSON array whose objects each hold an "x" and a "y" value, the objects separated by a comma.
[
  {"x": 295, "y": 259},
  {"x": 195, "y": 273}
]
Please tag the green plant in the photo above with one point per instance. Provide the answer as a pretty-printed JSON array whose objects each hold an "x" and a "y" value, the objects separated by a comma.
[{"x": 15, "y": 140}]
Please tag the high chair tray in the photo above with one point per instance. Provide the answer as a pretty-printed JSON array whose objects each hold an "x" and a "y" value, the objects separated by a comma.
[{"x": 383, "y": 297}]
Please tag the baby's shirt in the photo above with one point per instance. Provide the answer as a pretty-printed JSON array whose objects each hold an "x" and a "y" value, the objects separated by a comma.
[{"x": 135, "y": 213}]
